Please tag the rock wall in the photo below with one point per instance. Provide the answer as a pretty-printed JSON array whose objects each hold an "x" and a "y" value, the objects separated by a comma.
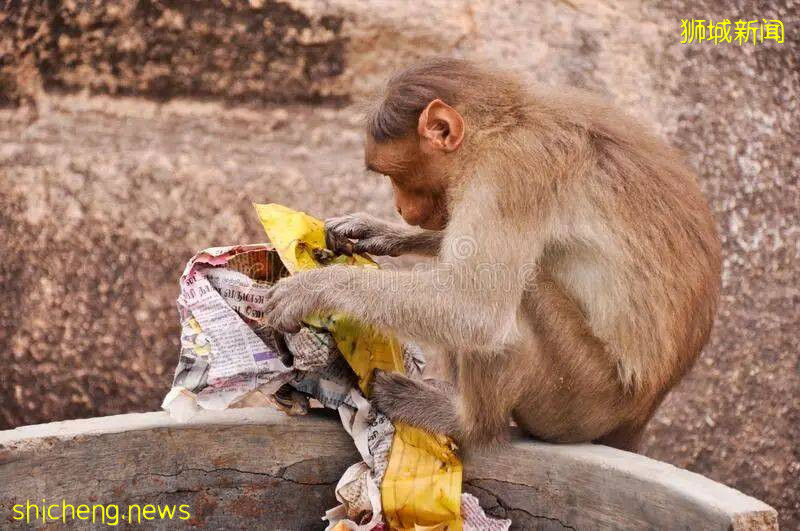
[
  {"x": 237, "y": 51},
  {"x": 137, "y": 132}
]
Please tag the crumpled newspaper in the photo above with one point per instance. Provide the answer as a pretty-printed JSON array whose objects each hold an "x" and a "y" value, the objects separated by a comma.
[{"x": 408, "y": 478}]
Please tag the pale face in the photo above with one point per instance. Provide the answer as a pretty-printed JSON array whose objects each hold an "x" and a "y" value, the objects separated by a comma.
[{"x": 419, "y": 181}]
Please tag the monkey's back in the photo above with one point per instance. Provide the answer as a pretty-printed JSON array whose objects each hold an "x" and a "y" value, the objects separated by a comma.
[{"x": 636, "y": 244}]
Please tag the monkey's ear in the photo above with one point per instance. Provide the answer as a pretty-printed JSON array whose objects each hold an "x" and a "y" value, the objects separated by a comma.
[{"x": 441, "y": 127}]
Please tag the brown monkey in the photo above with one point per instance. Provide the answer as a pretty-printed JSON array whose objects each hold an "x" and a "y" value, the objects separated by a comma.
[{"x": 577, "y": 270}]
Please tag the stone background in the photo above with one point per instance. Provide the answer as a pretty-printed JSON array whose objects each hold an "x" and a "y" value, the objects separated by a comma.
[{"x": 137, "y": 132}]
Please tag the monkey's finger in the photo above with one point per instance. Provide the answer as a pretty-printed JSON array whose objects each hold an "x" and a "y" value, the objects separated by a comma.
[
  {"x": 273, "y": 319},
  {"x": 380, "y": 377},
  {"x": 364, "y": 246},
  {"x": 376, "y": 372},
  {"x": 271, "y": 298},
  {"x": 353, "y": 226},
  {"x": 337, "y": 243},
  {"x": 336, "y": 225},
  {"x": 292, "y": 328},
  {"x": 267, "y": 321},
  {"x": 286, "y": 322}
]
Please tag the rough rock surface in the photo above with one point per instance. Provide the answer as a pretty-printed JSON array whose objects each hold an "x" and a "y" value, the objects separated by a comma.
[
  {"x": 125, "y": 154},
  {"x": 239, "y": 51}
]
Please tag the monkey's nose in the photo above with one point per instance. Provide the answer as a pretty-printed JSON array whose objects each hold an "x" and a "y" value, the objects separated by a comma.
[{"x": 399, "y": 210}]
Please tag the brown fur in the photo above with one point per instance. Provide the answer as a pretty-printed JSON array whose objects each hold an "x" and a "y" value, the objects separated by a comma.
[{"x": 606, "y": 251}]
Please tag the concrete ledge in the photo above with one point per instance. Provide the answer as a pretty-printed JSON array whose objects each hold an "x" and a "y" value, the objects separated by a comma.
[{"x": 246, "y": 467}]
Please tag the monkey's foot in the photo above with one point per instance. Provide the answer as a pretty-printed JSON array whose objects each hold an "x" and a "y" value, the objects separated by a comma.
[{"x": 416, "y": 403}]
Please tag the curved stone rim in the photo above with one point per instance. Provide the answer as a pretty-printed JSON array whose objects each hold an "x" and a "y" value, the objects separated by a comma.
[{"x": 534, "y": 483}]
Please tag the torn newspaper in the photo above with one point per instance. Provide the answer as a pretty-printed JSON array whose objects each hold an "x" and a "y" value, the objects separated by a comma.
[{"x": 408, "y": 479}]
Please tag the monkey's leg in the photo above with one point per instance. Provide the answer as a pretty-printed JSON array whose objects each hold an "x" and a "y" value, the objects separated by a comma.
[
  {"x": 489, "y": 387},
  {"x": 443, "y": 386},
  {"x": 478, "y": 415},
  {"x": 416, "y": 402},
  {"x": 579, "y": 396}
]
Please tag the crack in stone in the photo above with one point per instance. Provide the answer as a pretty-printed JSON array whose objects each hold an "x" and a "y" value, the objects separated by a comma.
[
  {"x": 508, "y": 508},
  {"x": 279, "y": 476},
  {"x": 503, "y": 481}
]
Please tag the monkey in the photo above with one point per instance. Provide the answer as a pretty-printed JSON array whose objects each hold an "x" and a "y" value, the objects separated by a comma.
[{"x": 575, "y": 265}]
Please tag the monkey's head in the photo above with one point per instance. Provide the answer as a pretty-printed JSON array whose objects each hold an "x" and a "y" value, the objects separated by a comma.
[
  {"x": 416, "y": 135},
  {"x": 420, "y": 164}
]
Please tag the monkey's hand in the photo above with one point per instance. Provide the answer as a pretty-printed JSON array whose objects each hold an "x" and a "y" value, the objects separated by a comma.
[
  {"x": 373, "y": 235},
  {"x": 292, "y": 299}
]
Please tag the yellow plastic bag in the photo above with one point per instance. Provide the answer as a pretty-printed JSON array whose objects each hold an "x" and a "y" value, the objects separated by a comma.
[{"x": 421, "y": 488}]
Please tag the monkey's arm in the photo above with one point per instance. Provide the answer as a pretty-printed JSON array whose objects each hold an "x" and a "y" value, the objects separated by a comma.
[
  {"x": 469, "y": 301},
  {"x": 379, "y": 237},
  {"x": 422, "y": 304}
]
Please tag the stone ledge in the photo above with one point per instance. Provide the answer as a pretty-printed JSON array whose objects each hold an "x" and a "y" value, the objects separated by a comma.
[{"x": 246, "y": 466}]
